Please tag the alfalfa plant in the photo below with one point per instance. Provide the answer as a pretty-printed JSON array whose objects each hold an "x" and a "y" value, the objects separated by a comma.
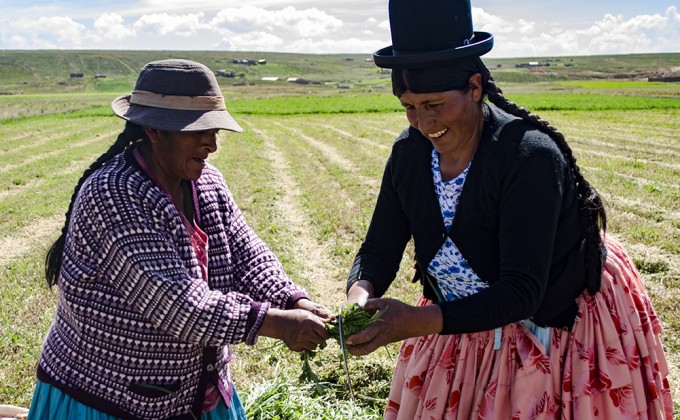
[{"x": 354, "y": 319}]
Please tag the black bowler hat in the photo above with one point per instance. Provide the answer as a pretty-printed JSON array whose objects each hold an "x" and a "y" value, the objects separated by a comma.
[{"x": 425, "y": 32}]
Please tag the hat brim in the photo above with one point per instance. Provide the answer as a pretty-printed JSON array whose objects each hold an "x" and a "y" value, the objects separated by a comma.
[
  {"x": 172, "y": 119},
  {"x": 387, "y": 58}
]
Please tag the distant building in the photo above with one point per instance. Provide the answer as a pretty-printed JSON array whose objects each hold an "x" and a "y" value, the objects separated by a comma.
[
  {"x": 301, "y": 81},
  {"x": 76, "y": 75},
  {"x": 270, "y": 78},
  {"x": 262, "y": 61},
  {"x": 664, "y": 79},
  {"x": 100, "y": 76},
  {"x": 244, "y": 61},
  {"x": 344, "y": 86},
  {"x": 226, "y": 73},
  {"x": 532, "y": 64}
]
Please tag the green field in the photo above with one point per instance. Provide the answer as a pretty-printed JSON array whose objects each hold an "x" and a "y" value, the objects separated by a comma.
[{"x": 306, "y": 173}]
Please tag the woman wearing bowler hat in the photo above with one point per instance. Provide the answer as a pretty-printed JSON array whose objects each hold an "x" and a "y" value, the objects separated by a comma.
[
  {"x": 528, "y": 309},
  {"x": 158, "y": 271}
]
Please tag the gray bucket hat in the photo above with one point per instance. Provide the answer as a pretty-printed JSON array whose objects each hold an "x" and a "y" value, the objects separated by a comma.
[{"x": 176, "y": 95}]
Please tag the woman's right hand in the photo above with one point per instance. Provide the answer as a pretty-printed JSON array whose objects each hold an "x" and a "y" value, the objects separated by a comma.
[
  {"x": 398, "y": 321},
  {"x": 299, "y": 329}
]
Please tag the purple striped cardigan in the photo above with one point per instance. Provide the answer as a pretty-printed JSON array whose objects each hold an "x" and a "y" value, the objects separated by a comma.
[{"x": 137, "y": 332}]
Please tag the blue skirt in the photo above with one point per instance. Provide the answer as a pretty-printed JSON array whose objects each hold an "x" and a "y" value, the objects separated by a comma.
[{"x": 50, "y": 403}]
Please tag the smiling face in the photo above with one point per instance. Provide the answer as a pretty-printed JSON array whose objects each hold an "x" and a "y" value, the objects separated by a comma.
[
  {"x": 179, "y": 156},
  {"x": 451, "y": 120}
]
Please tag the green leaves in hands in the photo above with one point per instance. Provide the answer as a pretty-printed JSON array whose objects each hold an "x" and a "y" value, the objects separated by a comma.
[{"x": 354, "y": 319}]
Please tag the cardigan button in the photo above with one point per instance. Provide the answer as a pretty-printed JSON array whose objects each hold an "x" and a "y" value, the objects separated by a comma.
[{"x": 210, "y": 367}]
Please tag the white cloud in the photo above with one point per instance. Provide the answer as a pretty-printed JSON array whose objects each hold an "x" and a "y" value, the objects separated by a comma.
[
  {"x": 252, "y": 41},
  {"x": 275, "y": 25},
  {"x": 525, "y": 27},
  {"x": 19, "y": 42},
  {"x": 643, "y": 33},
  {"x": 613, "y": 34},
  {"x": 673, "y": 15},
  {"x": 486, "y": 22},
  {"x": 48, "y": 32},
  {"x": 110, "y": 26},
  {"x": 161, "y": 24},
  {"x": 305, "y": 23},
  {"x": 334, "y": 46}
]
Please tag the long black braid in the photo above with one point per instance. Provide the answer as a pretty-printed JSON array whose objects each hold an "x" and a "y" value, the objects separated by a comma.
[
  {"x": 130, "y": 134},
  {"x": 454, "y": 75}
]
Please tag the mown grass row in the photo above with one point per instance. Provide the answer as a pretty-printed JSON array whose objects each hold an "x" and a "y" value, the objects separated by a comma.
[
  {"x": 334, "y": 204},
  {"x": 641, "y": 184},
  {"x": 59, "y": 151},
  {"x": 25, "y": 314},
  {"x": 14, "y": 107},
  {"x": 42, "y": 185}
]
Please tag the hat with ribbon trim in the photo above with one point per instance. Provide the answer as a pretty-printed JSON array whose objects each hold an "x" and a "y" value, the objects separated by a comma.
[
  {"x": 427, "y": 32},
  {"x": 176, "y": 95}
]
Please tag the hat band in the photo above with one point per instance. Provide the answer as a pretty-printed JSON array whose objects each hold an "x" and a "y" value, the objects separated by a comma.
[
  {"x": 183, "y": 103},
  {"x": 454, "y": 46}
]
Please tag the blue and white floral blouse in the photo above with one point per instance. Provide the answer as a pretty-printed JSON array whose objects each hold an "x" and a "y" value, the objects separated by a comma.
[{"x": 455, "y": 278}]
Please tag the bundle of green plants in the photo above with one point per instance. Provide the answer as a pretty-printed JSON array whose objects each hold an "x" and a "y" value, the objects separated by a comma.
[{"x": 354, "y": 319}]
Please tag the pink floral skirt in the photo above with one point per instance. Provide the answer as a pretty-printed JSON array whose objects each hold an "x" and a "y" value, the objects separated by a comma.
[{"x": 610, "y": 366}]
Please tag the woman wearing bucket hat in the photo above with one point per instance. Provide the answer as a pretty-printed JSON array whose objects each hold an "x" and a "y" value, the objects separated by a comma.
[
  {"x": 528, "y": 310},
  {"x": 158, "y": 271}
]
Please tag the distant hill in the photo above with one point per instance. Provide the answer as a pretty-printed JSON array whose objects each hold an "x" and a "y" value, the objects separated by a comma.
[{"x": 115, "y": 70}]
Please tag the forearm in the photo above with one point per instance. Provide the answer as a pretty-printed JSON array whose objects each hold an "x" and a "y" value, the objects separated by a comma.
[
  {"x": 360, "y": 292},
  {"x": 271, "y": 325},
  {"x": 425, "y": 320},
  {"x": 298, "y": 328},
  {"x": 408, "y": 321}
]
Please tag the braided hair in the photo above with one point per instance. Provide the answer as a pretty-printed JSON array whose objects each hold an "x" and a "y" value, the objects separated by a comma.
[
  {"x": 131, "y": 134},
  {"x": 454, "y": 76}
]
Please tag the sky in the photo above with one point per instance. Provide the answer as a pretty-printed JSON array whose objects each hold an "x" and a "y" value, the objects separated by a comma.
[{"x": 532, "y": 28}]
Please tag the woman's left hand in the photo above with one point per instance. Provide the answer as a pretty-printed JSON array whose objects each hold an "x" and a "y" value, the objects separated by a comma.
[
  {"x": 315, "y": 308},
  {"x": 398, "y": 322}
]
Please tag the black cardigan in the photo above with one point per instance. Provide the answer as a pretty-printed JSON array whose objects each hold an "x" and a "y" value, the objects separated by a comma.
[{"x": 516, "y": 225}]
